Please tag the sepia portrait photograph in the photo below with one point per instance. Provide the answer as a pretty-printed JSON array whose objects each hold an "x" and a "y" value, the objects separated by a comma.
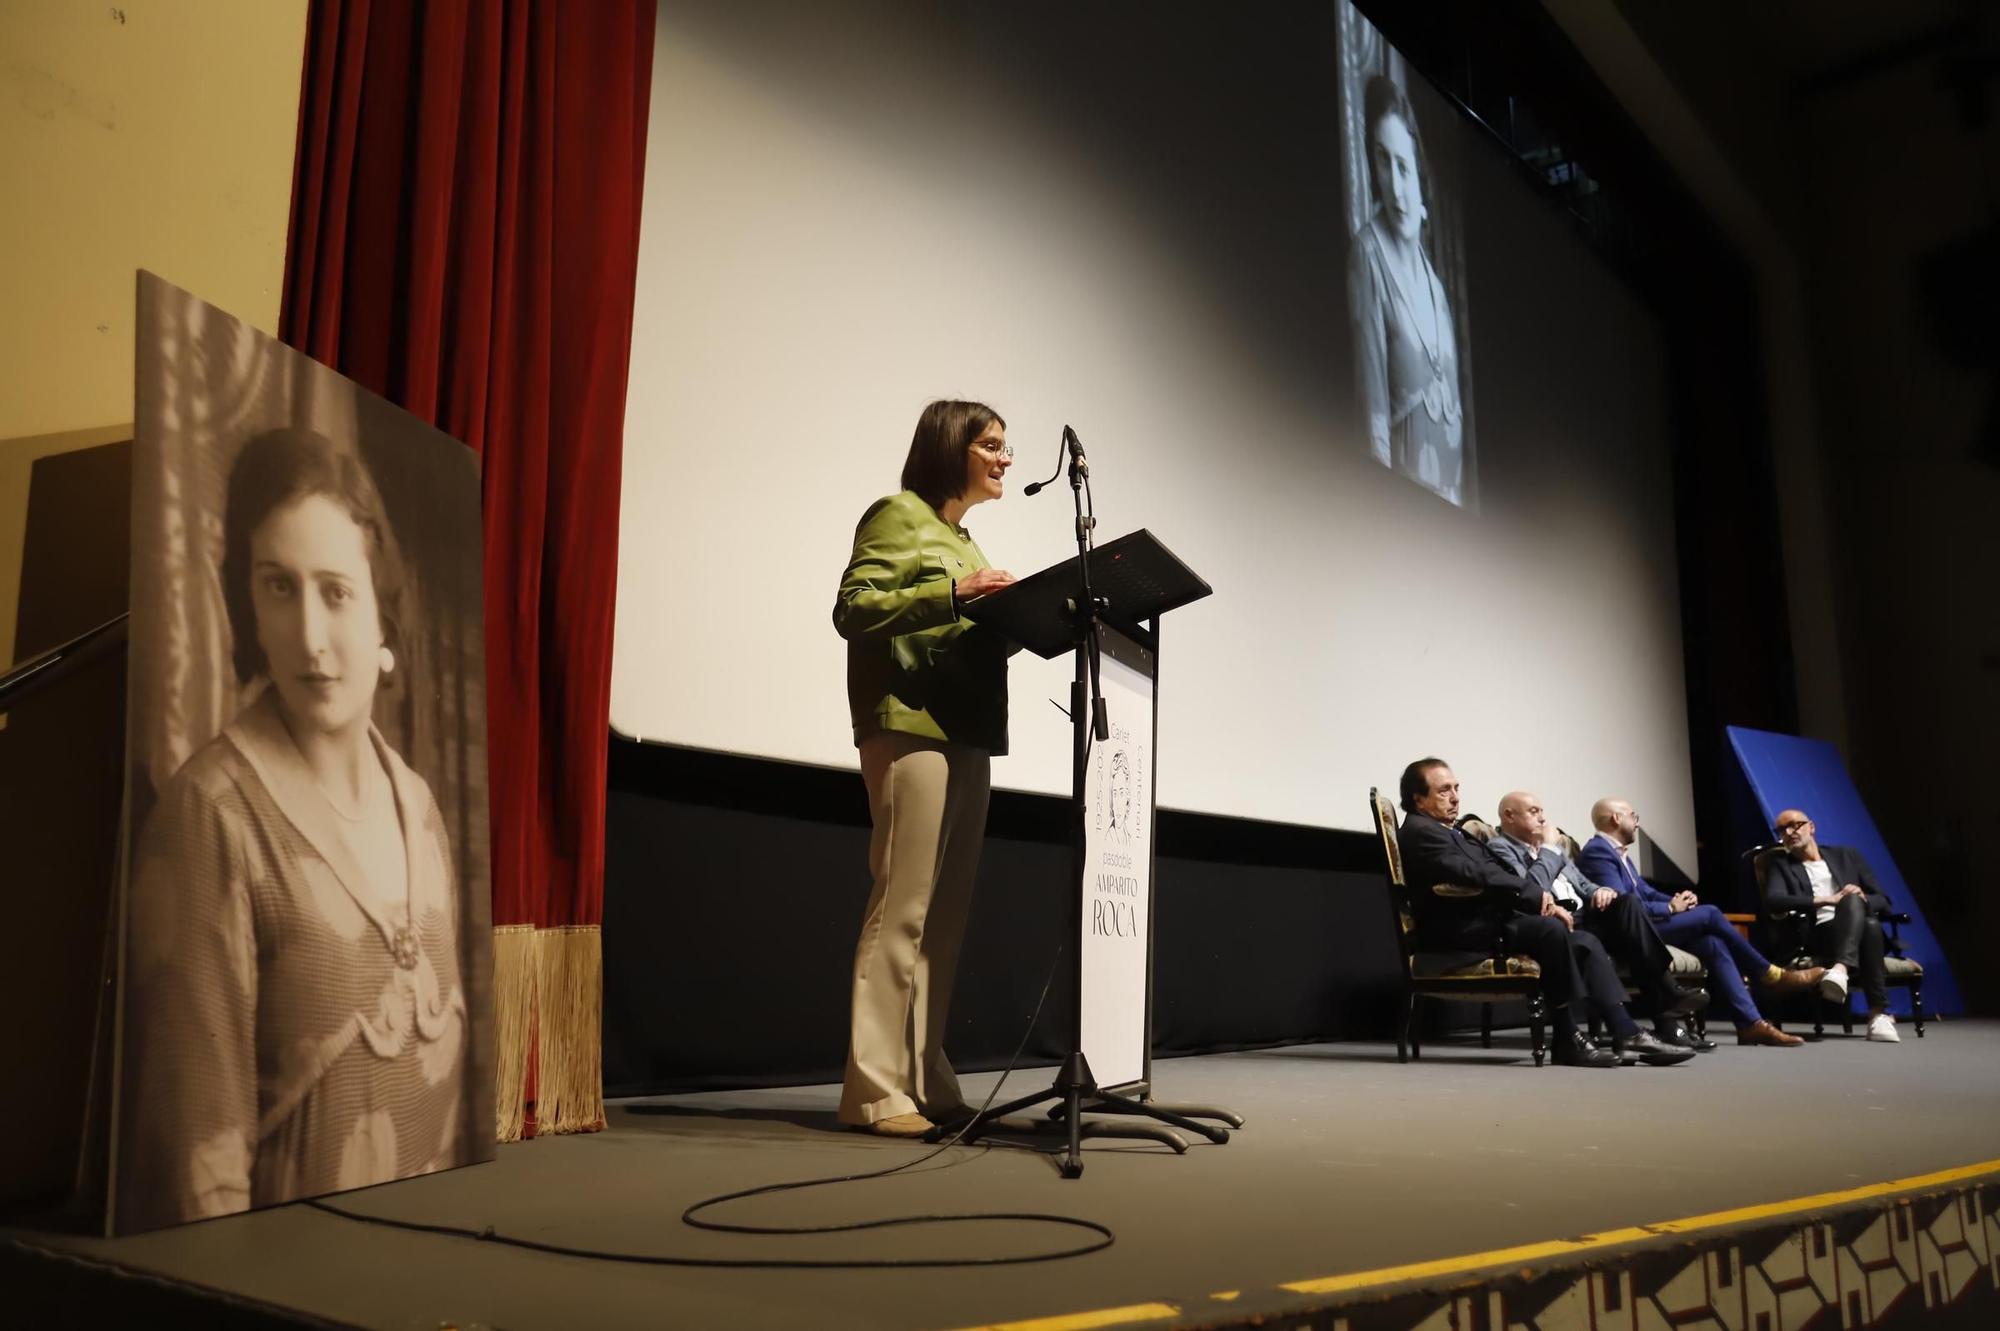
[
  {"x": 306, "y": 942},
  {"x": 1405, "y": 266}
]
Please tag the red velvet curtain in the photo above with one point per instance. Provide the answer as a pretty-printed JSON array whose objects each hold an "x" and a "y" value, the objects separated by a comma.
[{"x": 464, "y": 241}]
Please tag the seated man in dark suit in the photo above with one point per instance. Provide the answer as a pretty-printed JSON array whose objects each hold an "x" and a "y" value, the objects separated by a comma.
[
  {"x": 1618, "y": 921},
  {"x": 1518, "y": 911},
  {"x": 1847, "y": 921},
  {"x": 1681, "y": 919}
]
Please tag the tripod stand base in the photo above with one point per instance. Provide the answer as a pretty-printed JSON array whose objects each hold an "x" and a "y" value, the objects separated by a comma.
[
  {"x": 1076, "y": 1095},
  {"x": 1059, "y": 1119},
  {"x": 1221, "y": 1115},
  {"x": 1104, "y": 1102}
]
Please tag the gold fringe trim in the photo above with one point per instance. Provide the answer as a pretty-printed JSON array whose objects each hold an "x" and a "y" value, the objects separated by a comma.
[
  {"x": 514, "y": 972},
  {"x": 569, "y": 1045}
]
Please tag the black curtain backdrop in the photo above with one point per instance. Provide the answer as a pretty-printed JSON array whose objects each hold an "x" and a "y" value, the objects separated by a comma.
[{"x": 1264, "y": 933}]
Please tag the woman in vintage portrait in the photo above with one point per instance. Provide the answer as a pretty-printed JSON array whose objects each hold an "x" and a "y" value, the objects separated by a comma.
[
  {"x": 295, "y": 1021},
  {"x": 1406, "y": 342},
  {"x": 927, "y": 694}
]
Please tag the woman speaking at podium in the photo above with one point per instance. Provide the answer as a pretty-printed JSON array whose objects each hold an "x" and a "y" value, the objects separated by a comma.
[{"x": 927, "y": 692}]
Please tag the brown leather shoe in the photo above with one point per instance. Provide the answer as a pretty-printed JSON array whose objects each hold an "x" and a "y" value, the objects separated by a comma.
[
  {"x": 898, "y": 1125},
  {"x": 1789, "y": 982},
  {"x": 1765, "y": 1033}
]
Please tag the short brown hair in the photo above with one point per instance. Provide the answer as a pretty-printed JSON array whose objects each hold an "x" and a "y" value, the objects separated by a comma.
[
  {"x": 280, "y": 467},
  {"x": 935, "y": 468}
]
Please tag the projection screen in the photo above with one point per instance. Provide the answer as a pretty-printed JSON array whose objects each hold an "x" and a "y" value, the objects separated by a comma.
[{"x": 1177, "y": 230}]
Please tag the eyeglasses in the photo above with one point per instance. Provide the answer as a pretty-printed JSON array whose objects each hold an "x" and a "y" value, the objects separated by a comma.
[
  {"x": 1786, "y": 829},
  {"x": 992, "y": 450}
]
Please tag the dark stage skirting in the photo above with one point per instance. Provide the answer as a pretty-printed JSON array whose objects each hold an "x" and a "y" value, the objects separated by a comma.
[
  {"x": 755, "y": 874},
  {"x": 1841, "y": 1184}
]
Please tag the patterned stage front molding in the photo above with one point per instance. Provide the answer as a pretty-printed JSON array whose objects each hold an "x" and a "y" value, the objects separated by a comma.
[{"x": 1918, "y": 1253}]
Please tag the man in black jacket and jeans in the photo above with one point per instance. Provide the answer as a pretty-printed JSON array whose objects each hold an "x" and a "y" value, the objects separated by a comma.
[
  {"x": 1521, "y": 912},
  {"x": 1847, "y": 905}
]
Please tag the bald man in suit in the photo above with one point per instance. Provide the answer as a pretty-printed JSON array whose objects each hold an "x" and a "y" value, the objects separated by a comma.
[
  {"x": 1620, "y": 922},
  {"x": 1682, "y": 919}
]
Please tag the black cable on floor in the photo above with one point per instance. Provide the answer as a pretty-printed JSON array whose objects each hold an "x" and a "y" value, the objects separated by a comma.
[{"x": 1104, "y": 1240}]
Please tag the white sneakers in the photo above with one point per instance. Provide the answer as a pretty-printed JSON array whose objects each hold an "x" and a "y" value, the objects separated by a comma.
[{"x": 1833, "y": 988}]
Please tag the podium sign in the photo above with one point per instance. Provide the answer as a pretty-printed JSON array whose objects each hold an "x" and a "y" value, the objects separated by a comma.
[
  {"x": 1118, "y": 868},
  {"x": 1132, "y": 580}
]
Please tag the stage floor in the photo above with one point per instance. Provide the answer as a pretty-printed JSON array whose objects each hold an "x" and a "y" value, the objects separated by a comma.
[{"x": 1348, "y": 1163}]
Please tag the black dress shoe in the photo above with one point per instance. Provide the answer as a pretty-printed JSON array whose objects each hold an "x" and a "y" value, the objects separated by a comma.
[
  {"x": 1674, "y": 1031},
  {"x": 1578, "y": 1051},
  {"x": 1652, "y": 1049}
]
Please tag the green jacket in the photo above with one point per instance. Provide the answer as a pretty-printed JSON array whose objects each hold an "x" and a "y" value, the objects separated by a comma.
[{"x": 913, "y": 665}]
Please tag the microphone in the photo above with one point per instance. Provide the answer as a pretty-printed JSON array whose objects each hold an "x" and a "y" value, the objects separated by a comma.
[
  {"x": 1077, "y": 461},
  {"x": 1036, "y": 487},
  {"x": 1071, "y": 445}
]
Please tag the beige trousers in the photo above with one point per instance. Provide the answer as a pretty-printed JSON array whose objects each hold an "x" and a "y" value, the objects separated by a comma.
[{"x": 928, "y": 802}]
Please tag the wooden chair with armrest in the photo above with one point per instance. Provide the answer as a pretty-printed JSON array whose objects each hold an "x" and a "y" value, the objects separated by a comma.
[{"x": 1498, "y": 977}]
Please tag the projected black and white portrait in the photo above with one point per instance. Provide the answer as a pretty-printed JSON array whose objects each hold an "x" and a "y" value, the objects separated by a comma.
[
  {"x": 306, "y": 923},
  {"x": 1405, "y": 265}
]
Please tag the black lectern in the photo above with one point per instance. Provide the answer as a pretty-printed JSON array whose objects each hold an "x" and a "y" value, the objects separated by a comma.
[
  {"x": 1136, "y": 577},
  {"x": 1104, "y": 605}
]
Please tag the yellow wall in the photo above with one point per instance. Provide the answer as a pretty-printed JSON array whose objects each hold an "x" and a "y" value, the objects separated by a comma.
[{"x": 135, "y": 134}]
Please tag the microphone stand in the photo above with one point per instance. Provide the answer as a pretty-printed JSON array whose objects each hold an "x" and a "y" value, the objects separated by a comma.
[
  {"x": 1087, "y": 607},
  {"x": 1075, "y": 1088}
]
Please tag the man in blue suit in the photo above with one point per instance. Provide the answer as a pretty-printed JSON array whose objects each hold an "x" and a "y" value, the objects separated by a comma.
[
  {"x": 1620, "y": 922},
  {"x": 1684, "y": 921}
]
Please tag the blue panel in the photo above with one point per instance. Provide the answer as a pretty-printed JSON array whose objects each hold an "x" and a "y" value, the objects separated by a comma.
[{"x": 1786, "y": 772}]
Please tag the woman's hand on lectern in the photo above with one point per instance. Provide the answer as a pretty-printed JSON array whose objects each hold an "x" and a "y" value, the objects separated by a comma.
[{"x": 984, "y": 582}]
